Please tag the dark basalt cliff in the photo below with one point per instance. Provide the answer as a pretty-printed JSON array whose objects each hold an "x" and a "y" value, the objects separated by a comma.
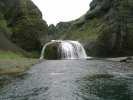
[
  {"x": 105, "y": 30},
  {"x": 22, "y": 23}
]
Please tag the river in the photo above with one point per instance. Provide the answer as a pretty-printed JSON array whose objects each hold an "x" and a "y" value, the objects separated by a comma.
[{"x": 71, "y": 80}]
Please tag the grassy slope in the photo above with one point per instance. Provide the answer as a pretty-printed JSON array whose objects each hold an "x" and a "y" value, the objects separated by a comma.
[
  {"x": 12, "y": 59},
  {"x": 88, "y": 31},
  {"x": 106, "y": 29},
  {"x": 12, "y": 63},
  {"x": 80, "y": 29},
  {"x": 7, "y": 45}
]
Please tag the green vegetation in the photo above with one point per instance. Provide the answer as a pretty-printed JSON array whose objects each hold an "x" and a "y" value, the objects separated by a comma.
[
  {"x": 21, "y": 31},
  {"x": 116, "y": 37},
  {"x": 3, "y": 25},
  {"x": 51, "y": 51},
  {"x": 87, "y": 31},
  {"x": 13, "y": 64},
  {"x": 33, "y": 54},
  {"x": 80, "y": 29},
  {"x": 106, "y": 29},
  {"x": 9, "y": 55},
  {"x": 16, "y": 66},
  {"x": 62, "y": 28},
  {"x": 27, "y": 25}
]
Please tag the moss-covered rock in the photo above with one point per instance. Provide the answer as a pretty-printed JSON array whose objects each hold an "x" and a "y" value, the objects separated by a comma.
[
  {"x": 116, "y": 34},
  {"x": 51, "y": 51},
  {"x": 27, "y": 24},
  {"x": 21, "y": 23}
]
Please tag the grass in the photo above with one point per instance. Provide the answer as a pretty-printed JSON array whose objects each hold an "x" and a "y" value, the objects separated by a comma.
[
  {"x": 16, "y": 66},
  {"x": 33, "y": 54},
  {"x": 88, "y": 31},
  {"x": 9, "y": 55},
  {"x": 4, "y": 24},
  {"x": 13, "y": 64}
]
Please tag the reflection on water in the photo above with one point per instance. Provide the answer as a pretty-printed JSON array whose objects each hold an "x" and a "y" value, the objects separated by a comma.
[{"x": 71, "y": 80}]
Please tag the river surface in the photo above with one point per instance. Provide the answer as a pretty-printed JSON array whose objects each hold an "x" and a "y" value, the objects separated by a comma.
[{"x": 71, "y": 80}]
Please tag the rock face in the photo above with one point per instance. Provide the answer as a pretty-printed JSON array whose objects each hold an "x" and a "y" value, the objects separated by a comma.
[
  {"x": 51, "y": 51},
  {"x": 5, "y": 33},
  {"x": 7, "y": 45},
  {"x": 52, "y": 32},
  {"x": 106, "y": 29},
  {"x": 24, "y": 20},
  {"x": 116, "y": 35}
]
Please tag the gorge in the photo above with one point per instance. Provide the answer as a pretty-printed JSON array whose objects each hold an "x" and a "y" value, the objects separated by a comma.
[
  {"x": 105, "y": 28},
  {"x": 64, "y": 73}
]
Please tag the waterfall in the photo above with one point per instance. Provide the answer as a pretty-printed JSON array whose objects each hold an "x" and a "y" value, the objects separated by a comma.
[
  {"x": 43, "y": 50},
  {"x": 67, "y": 49}
]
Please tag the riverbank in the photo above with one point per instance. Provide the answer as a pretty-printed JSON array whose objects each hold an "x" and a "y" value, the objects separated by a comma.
[
  {"x": 14, "y": 63},
  {"x": 16, "y": 66},
  {"x": 115, "y": 59},
  {"x": 121, "y": 59}
]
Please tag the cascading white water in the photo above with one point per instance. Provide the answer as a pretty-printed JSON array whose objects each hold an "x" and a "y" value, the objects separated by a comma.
[
  {"x": 67, "y": 49},
  {"x": 43, "y": 50}
]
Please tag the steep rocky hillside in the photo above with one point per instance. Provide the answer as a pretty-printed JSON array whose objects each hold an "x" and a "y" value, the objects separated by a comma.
[
  {"x": 6, "y": 45},
  {"x": 105, "y": 30},
  {"x": 23, "y": 25},
  {"x": 27, "y": 24},
  {"x": 5, "y": 33}
]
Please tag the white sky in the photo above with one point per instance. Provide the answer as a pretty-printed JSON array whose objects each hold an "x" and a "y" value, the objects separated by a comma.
[{"x": 55, "y": 11}]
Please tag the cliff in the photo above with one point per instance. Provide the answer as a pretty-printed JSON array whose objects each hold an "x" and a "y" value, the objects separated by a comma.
[
  {"x": 22, "y": 25},
  {"x": 105, "y": 30}
]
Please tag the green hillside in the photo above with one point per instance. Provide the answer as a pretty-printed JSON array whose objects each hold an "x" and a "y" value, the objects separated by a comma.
[
  {"x": 105, "y": 30},
  {"x": 22, "y": 28}
]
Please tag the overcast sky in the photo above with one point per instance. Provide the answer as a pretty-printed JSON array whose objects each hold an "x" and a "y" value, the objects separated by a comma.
[{"x": 55, "y": 11}]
